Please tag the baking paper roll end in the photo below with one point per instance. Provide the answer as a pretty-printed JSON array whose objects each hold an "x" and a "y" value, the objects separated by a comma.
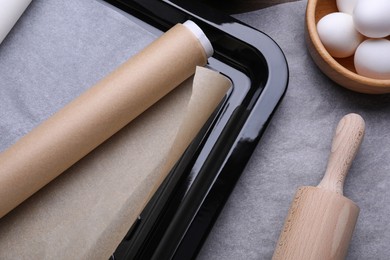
[{"x": 195, "y": 29}]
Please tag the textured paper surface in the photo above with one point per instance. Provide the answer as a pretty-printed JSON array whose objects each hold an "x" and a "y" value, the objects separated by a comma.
[
  {"x": 84, "y": 213},
  {"x": 97, "y": 114},
  {"x": 239, "y": 6},
  {"x": 294, "y": 152},
  {"x": 87, "y": 210}
]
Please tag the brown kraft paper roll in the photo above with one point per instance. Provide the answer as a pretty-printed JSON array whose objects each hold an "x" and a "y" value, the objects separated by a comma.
[
  {"x": 93, "y": 117},
  {"x": 88, "y": 209}
]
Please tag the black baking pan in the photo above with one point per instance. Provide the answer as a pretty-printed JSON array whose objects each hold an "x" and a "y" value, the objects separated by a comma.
[{"x": 177, "y": 220}]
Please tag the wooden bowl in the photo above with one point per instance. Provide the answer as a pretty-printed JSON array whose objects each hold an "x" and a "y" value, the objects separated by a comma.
[{"x": 340, "y": 70}]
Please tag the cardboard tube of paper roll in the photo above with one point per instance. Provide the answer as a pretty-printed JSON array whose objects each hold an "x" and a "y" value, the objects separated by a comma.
[
  {"x": 78, "y": 128},
  {"x": 10, "y": 11}
]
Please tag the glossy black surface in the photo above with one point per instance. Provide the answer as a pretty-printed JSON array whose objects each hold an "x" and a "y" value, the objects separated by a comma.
[{"x": 177, "y": 220}]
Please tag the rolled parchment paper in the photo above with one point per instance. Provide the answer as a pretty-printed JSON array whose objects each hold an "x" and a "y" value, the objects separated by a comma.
[
  {"x": 10, "y": 12},
  {"x": 87, "y": 210},
  {"x": 89, "y": 120}
]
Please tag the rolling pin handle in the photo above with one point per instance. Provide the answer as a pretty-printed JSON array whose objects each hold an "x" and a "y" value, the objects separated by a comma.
[{"x": 346, "y": 141}]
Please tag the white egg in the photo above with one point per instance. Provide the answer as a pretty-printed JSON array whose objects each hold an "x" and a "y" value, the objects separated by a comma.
[
  {"x": 338, "y": 34},
  {"x": 372, "y": 18},
  {"x": 346, "y": 6},
  {"x": 372, "y": 59}
]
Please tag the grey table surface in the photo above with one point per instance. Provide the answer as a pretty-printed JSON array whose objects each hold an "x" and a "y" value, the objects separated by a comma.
[{"x": 293, "y": 151}]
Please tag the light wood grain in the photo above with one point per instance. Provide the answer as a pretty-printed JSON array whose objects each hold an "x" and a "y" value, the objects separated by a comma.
[
  {"x": 320, "y": 221},
  {"x": 341, "y": 71},
  {"x": 347, "y": 139},
  {"x": 319, "y": 226}
]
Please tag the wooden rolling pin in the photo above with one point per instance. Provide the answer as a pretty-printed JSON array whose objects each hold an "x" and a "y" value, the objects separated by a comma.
[{"x": 321, "y": 220}]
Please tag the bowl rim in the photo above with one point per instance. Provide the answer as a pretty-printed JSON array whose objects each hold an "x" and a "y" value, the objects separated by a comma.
[{"x": 312, "y": 29}]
